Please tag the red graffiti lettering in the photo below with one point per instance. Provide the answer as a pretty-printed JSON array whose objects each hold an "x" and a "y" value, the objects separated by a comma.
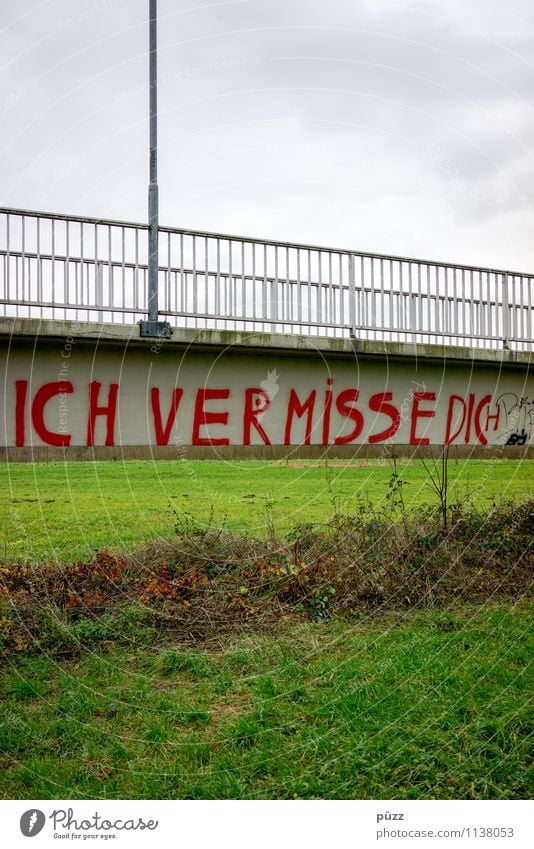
[
  {"x": 109, "y": 411},
  {"x": 21, "y": 390},
  {"x": 163, "y": 432},
  {"x": 42, "y": 397},
  {"x": 379, "y": 404},
  {"x": 344, "y": 406},
  {"x": 295, "y": 408},
  {"x": 478, "y": 428},
  {"x": 450, "y": 437},
  {"x": 204, "y": 417},
  {"x": 256, "y": 402},
  {"x": 417, "y": 414}
]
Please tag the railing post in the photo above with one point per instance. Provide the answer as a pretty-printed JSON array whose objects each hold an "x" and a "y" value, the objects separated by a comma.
[
  {"x": 352, "y": 295},
  {"x": 99, "y": 289},
  {"x": 505, "y": 312}
]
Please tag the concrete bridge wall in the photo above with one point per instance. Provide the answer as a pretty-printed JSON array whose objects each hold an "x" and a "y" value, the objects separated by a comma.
[{"x": 84, "y": 390}]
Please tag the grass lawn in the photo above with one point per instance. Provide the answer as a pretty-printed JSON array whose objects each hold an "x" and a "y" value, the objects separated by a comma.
[
  {"x": 66, "y": 511},
  {"x": 413, "y": 703},
  {"x": 430, "y": 704}
]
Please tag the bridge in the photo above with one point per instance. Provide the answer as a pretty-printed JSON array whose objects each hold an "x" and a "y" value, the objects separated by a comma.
[{"x": 275, "y": 344}]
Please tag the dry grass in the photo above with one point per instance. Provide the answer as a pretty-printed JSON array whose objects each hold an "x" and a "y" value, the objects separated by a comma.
[{"x": 205, "y": 583}]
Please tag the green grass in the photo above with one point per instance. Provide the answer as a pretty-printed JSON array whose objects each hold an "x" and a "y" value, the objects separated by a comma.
[
  {"x": 66, "y": 511},
  {"x": 430, "y": 705}
]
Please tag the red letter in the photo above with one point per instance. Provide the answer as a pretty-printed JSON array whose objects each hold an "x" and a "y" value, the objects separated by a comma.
[
  {"x": 470, "y": 406},
  {"x": 494, "y": 418},
  {"x": 163, "y": 433},
  {"x": 108, "y": 411},
  {"x": 448, "y": 436},
  {"x": 21, "y": 388},
  {"x": 204, "y": 418},
  {"x": 254, "y": 396},
  {"x": 420, "y": 414},
  {"x": 42, "y": 396},
  {"x": 478, "y": 429},
  {"x": 294, "y": 407},
  {"x": 349, "y": 412},
  {"x": 379, "y": 404},
  {"x": 327, "y": 412}
]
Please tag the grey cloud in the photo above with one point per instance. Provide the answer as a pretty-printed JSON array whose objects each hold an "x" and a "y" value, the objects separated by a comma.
[{"x": 398, "y": 127}]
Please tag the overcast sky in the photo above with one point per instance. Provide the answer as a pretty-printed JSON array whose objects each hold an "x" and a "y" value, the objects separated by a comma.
[{"x": 398, "y": 127}]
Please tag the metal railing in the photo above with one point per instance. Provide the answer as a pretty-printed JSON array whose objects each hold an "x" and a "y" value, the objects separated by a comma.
[{"x": 87, "y": 269}]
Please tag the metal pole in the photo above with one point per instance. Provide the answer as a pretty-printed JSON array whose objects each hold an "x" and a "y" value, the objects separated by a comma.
[
  {"x": 153, "y": 327},
  {"x": 153, "y": 185}
]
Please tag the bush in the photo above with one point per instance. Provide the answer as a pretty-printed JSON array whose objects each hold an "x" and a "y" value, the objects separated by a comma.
[{"x": 202, "y": 585}]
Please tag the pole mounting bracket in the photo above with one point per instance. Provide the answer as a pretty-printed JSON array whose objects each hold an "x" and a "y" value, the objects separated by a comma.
[{"x": 155, "y": 329}]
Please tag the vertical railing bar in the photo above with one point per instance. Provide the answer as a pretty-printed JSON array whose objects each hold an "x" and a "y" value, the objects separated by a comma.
[
  {"x": 489, "y": 323},
  {"x": 319, "y": 288},
  {"x": 352, "y": 294},
  {"x": 522, "y": 316},
  {"x": 79, "y": 300},
  {"x": 429, "y": 303},
  {"x": 530, "y": 316},
  {"x": 167, "y": 299},
  {"x": 411, "y": 307},
  {"x": 136, "y": 270},
  {"x": 391, "y": 298},
  {"x": 446, "y": 323},
  {"x": 218, "y": 283},
  {"x": 483, "y": 307},
  {"x": 437, "y": 322},
  {"x": 182, "y": 282},
  {"x": 76, "y": 300},
  {"x": 372, "y": 320},
  {"x": 98, "y": 280},
  {"x": 39, "y": 267},
  {"x": 229, "y": 304},
  {"x": 309, "y": 284},
  {"x": 53, "y": 253},
  {"x": 382, "y": 295},
  {"x": 362, "y": 300},
  {"x": 463, "y": 310},
  {"x": 195, "y": 299},
  {"x": 274, "y": 291},
  {"x": 111, "y": 296},
  {"x": 455, "y": 305},
  {"x": 66, "y": 276},
  {"x": 8, "y": 259},
  {"x": 400, "y": 304},
  {"x": 254, "y": 289},
  {"x": 287, "y": 288},
  {"x": 473, "y": 309},
  {"x": 299, "y": 292},
  {"x": 206, "y": 280},
  {"x": 419, "y": 337},
  {"x": 243, "y": 293},
  {"x": 332, "y": 318},
  {"x": 123, "y": 273},
  {"x": 23, "y": 260},
  {"x": 234, "y": 299},
  {"x": 145, "y": 285},
  {"x": 342, "y": 311},
  {"x": 98, "y": 277},
  {"x": 17, "y": 288},
  {"x": 264, "y": 286}
]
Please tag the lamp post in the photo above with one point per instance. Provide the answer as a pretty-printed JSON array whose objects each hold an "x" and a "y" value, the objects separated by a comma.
[{"x": 153, "y": 327}]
